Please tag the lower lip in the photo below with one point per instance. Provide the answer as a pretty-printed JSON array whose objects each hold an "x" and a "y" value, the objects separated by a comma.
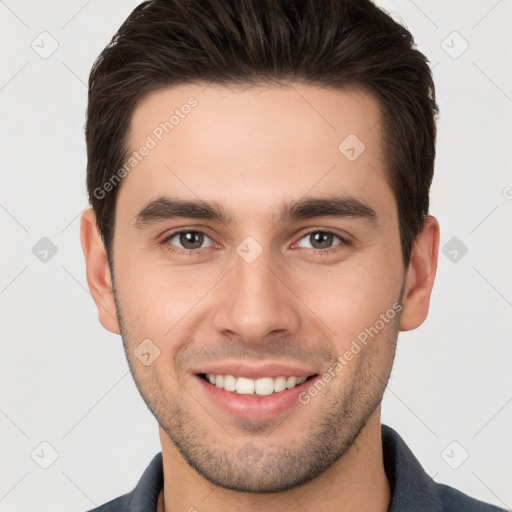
[{"x": 255, "y": 407}]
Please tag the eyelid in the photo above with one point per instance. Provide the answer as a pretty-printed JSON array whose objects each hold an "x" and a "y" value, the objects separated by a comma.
[
  {"x": 173, "y": 234},
  {"x": 344, "y": 240}
]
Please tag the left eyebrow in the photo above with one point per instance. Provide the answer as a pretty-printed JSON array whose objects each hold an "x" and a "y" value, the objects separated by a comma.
[{"x": 329, "y": 206}]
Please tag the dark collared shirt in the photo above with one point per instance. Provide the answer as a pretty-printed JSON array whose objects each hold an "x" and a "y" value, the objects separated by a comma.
[{"x": 412, "y": 489}]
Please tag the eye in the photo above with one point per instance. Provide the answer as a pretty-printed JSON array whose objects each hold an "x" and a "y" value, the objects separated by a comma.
[
  {"x": 321, "y": 240},
  {"x": 189, "y": 240}
]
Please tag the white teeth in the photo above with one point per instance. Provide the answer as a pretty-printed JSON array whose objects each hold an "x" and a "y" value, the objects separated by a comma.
[
  {"x": 229, "y": 383},
  {"x": 291, "y": 382},
  {"x": 279, "y": 384},
  {"x": 244, "y": 386},
  {"x": 262, "y": 387}
]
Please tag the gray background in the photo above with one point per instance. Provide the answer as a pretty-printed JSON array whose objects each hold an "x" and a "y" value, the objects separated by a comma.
[{"x": 65, "y": 380}]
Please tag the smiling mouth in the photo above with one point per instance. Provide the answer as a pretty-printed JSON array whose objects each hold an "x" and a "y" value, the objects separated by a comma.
[{"x": 264, "y": 386}]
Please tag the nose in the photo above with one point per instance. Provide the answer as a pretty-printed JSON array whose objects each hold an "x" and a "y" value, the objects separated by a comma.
[{"x": 257, "y": 301}]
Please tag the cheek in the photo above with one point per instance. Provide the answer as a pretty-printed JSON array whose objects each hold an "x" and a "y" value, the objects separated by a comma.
[
  {"x": 352, "y": 297},
  {"x": 156, "y": 300}
]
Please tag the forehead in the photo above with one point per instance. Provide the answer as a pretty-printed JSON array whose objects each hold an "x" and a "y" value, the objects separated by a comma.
[{"x": 239, "y": 143}]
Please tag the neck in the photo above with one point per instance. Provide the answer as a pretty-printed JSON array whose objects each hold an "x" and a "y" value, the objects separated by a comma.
[{"x": 357, "y": 481}]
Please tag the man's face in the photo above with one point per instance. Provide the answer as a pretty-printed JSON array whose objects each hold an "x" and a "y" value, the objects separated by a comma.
[{"x": 258, "y": 287}]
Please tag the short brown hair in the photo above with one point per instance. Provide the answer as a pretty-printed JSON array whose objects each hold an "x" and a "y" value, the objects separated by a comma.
[{"x": 328, "y": 43}]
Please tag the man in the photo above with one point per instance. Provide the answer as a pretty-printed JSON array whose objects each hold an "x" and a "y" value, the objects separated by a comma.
[{"x": 259, "y": 176}]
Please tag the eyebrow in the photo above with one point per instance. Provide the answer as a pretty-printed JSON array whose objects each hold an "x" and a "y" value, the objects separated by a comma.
[{"x": 167, "y": 208}]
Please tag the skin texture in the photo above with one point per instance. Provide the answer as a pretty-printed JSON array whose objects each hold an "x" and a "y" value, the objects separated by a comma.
[{"x": 250, "y": 150}]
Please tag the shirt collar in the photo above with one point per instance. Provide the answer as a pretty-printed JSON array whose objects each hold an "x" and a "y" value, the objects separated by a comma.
[{"x": 411, "y": 487}]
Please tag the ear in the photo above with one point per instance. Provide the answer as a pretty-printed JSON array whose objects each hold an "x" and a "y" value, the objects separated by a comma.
[
  {"x": 420, "y": 276},
  {"x": 98, "y": 271}
]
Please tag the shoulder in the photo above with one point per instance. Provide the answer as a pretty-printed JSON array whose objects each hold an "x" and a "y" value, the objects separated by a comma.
[
  {"x": 116, "y": 505},
  {"x": 453, "y": 500},
  {"x": 413, "y": 489},
  {"x": 145, "y": 494}
]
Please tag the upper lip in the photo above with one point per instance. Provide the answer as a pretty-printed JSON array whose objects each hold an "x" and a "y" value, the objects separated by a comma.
[{"x": 241, "y": 369}]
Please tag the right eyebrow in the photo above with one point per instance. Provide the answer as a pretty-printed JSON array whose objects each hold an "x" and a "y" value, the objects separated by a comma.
[{"x": 165, "y": 208}]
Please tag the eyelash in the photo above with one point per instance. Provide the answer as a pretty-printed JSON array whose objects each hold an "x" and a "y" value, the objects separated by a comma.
[{"x": 194, "y": 252}]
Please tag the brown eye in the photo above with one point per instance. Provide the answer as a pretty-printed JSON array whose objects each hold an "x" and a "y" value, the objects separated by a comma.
[
  {"x": 321, "y": 240},
  {"x": 189, "y": 240}
]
